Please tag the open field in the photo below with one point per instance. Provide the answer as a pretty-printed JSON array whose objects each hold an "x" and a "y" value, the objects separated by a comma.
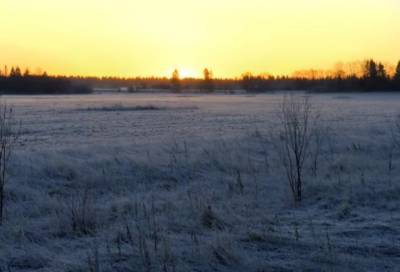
[{"x": 169, "y": 182}]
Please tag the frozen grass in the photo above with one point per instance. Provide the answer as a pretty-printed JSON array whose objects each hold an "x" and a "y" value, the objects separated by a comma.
[{"x": 200, "y": 190}]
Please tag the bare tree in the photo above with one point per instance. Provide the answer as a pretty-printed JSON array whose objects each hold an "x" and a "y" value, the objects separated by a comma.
[
  {"x": 175, "y": 81},
  {"x": 297, "y": 128},
  {"x": 208, "y": 83},
  {"x": 8, "y": 137}
]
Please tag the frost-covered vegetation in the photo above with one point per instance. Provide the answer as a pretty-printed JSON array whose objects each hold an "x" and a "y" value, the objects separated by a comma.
[{"x": 204, "y": 185}]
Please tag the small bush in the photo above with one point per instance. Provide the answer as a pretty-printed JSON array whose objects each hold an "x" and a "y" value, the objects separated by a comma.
[{"x": 297, "y": 127}]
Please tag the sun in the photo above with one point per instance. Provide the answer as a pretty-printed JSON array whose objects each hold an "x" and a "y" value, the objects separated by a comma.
[
  {"x": 185, "y": 73},
  {"x": 188, "y": 73}
]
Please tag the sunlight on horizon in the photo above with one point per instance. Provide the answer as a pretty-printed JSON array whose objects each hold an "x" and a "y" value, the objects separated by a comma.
[{"x": 144, "y": 38}]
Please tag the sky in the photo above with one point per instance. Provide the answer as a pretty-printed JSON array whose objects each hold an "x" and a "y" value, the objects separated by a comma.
[{"x": 153, "y": 37}]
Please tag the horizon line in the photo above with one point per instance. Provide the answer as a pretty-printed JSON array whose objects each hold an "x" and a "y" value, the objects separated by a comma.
[{"x": 320, "y": 72}]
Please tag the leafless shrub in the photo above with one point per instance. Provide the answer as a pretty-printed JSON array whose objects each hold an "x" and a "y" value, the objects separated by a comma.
[
  {"x": 8, "y": 137},
  {"x": 298, "y": 123}
]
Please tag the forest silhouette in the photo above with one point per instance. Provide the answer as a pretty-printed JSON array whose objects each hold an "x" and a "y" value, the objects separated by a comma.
[{"x": 368, "y": 75}]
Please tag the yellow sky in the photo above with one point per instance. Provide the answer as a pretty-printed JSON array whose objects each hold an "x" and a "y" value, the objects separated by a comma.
[{"x": 152, "y": 37}]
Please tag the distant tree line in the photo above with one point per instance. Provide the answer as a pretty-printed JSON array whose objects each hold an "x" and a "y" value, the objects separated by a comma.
[
  {"x": 368, "y": 75},
  {"x": 365, "y": 76},
  {"x": 16, "y": 82}
]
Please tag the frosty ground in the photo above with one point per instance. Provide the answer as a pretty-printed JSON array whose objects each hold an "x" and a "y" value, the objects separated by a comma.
[{"x": 164, "y": 182}]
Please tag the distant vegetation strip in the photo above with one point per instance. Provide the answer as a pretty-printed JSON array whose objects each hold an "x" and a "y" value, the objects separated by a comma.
[
  {"x": 120, "y": 107},
  {"x": 369, "y": 75}
]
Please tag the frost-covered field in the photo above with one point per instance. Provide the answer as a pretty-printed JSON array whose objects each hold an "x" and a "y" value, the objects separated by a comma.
[{"x": 194, "y": 183}]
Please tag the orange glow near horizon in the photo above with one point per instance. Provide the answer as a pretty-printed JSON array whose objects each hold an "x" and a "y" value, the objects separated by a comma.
[{"x": 143, "y": 38}]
